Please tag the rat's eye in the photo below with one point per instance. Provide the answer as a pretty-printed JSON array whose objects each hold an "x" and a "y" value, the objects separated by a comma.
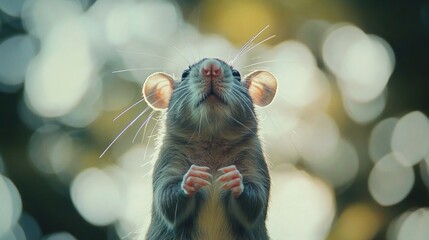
[
  {"x": 185, "y": 74},
  {"x": 236, "y": 75}
]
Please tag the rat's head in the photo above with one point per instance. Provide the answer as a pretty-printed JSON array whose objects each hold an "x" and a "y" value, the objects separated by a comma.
[{"x": 211, "y": 95}]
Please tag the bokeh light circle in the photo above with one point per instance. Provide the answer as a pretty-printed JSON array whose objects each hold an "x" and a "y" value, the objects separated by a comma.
[
  {"x": 338, "y": 40},
  {"x": 51, "y": 150},
  {"x": 96, "y": 196},
  {"x": 302, "y": 207},
  {"x": 301, "y": 82},
  {"x": 278, "y": 129},
  {"x": 41, "y": 16},
  {"x": 411, "y": 137},
  {"x": 10, "y": 207},
  {"x": 126, "y": 21},
  {"x": 358, "y": 221},
  {"x": 317, "y": 148},
  {"x": 88, "y": 109},
  {"x": 395, "y": 225},
  {"x": 415, "y": 226},
  {"x": 362, "y": 63},
  {"x": 364, "y": 112},
  {"x": 390, "y": 181},
  {"x": 137, "y": 198},
  {"x": 338, "y": 168},
  {"x": 16, "y": 53},
  {"x": 366, "y": 69},
  {"x": 59, "y": 77},
  {"x": 379, "y": 140}
]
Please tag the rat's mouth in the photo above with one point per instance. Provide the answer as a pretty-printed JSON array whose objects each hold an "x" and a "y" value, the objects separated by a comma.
[{"x": 211, "y": 97}]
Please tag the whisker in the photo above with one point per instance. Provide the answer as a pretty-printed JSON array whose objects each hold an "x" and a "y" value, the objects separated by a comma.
[
  {"x": 234, "y": 94},
  {"x": 193, "y": 133},
  {"x": 244, "y": 102},
  {"x": 129, "y": 125},
  {"x": 184, "y": 97},
  {"x": 146, "y": 163},
  {"x": 199, "y": 125},
  {"x": 150, "y": 95},
  {"x": 191, "y": 43},
  {"x": 256, "y": 57},
  {"x": 288, "y": 101},
  {"x": 207, "y": 119},
  {"x": 144, "y": 131},
  {"x": 242, "y": 124},
  {"x": 197, "y": 27},
  {"x": 269, "y": 61},
  {"x": 143, "y": 124},
  {"x": 126, "y": 110},
  {"x": 253, "y": 47},
  {"x": 177, "y": 49},
  {"x": 136, "y": 69},
  {"x": 247, "y": 44},
  {"x": 127, "y": 235},
  {"x": 150, "y": 137},
  {"x": 117, "y": 137}
]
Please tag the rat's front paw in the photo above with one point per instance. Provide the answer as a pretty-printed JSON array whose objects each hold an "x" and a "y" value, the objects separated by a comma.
[
  {"x": 232, "y": 180},
  {"x": 194, "y": 179}
]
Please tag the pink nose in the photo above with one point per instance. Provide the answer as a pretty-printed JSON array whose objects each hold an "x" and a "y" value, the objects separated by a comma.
[{"x": 211, "y": 68}]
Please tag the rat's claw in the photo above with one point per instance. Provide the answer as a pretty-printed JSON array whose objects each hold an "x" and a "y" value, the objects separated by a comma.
[
  {"x": 199, "y": 168},
  {"x": 236, "y": 191},
  {"x": 229, "y": 176},
  {"x": 197, "y": 182},
  {"x": 232, "y": 180},
  {"x": 227, "y": 169},
  {"x": 188, "y": 189},
  {"x": 195, "y": 179}
]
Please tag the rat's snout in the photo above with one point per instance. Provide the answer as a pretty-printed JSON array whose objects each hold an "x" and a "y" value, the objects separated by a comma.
[
  {"x": 212, "y": 84},
  {"x": 211, "y": 68}
]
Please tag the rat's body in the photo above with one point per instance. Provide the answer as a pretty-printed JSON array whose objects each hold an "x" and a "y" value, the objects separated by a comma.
[{"x": 210, "y": 178}]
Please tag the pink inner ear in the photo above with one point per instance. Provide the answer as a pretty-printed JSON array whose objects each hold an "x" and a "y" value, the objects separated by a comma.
[
  {"x": 256, "y": 91},
  {"x": 162, "y": 92},
  {"x": 158, "y": 89},
  {"x": 262, "y": 87}
]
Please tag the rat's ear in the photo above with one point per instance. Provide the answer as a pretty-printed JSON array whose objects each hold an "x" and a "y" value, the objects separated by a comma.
[
  {"x": 157, "y": 90},
  {"x": 262, "y": 87}
]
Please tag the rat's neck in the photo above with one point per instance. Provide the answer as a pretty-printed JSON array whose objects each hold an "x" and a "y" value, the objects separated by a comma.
[{"x": 203, "y": 137}]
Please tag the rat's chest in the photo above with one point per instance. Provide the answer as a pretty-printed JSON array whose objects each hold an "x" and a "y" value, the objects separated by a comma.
[{"x": 212, "y": 156}]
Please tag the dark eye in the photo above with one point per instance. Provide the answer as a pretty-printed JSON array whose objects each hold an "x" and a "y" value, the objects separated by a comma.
[
  {"x": 185, "y": 74},
  {"x": 236, "y": 75}
]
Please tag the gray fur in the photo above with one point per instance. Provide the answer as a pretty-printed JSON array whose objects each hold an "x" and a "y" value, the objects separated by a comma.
[{"x": 214, "y": 136}]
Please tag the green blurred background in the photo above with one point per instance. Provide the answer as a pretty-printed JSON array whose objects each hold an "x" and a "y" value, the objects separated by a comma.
[{"x": 348, "y": 134}]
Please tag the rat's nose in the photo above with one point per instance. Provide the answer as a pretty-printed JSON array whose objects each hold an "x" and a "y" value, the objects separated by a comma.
[{"x": 211, "y": 68}]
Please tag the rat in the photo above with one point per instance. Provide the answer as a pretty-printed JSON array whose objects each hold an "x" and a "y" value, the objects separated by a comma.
[{"x": 210, "y": 177}]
